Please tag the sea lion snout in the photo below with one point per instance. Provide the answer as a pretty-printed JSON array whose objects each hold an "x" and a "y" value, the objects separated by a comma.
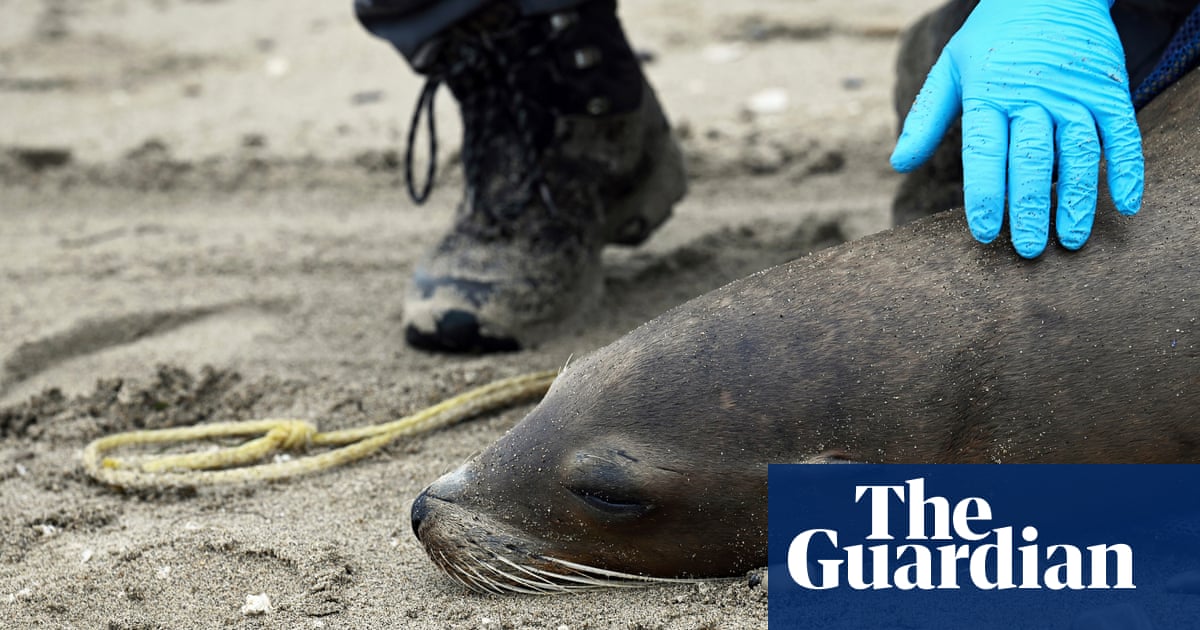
[
  {"x": 420, "y": 512},
  {"x": 450, "y": 485},
  {"x": 447, "y": 488}
]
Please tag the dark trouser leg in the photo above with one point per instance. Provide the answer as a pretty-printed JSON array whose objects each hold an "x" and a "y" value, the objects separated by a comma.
[
  {"x": 565, "y": 150},
  {"x": 1145, "y": 28},
  {"x": 409, "y": 23}
]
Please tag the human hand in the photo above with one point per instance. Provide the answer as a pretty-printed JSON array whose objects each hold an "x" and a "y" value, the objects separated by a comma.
[{"x": 1033, "y": 80}]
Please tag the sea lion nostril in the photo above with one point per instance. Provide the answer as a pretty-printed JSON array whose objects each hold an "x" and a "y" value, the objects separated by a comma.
[
  {"x": 446, "y": 489},
  {"x": 420, "y": 511}
]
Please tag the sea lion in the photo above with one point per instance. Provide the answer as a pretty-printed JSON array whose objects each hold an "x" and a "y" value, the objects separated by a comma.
[{"x": 649, "y": 458}]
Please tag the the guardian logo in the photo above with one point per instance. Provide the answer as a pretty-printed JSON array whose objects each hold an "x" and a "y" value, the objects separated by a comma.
[{"x": 949, "y": 546}]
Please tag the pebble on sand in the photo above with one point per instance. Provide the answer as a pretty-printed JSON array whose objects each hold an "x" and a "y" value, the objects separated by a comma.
[
  {"x": 256, "y": 605},
  {"x": 277, "y": 66},
  {"x": 768, "y": 101}
]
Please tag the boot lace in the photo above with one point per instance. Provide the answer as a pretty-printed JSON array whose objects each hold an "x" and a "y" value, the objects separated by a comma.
[{"x": 491, "y": 107}]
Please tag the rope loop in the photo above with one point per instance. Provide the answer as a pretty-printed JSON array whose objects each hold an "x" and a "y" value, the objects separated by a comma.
[{"x": 272, "y": 438}]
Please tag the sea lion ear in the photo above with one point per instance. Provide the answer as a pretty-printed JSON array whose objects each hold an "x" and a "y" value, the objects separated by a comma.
[{"x": 830, "y": 457}]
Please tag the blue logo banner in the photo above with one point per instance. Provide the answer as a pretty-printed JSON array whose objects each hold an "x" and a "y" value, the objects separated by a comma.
[{"x": 1009, "y": 547}]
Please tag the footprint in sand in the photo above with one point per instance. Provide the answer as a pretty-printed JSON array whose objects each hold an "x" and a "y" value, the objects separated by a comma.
[{"x": 72, "y": 359}]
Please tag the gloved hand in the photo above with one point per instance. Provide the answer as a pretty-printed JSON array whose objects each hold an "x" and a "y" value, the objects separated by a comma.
[{"x": 1033, "y": 80}]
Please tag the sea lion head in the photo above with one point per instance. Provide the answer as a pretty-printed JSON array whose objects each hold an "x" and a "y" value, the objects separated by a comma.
[{"x": 601, "y": 486}]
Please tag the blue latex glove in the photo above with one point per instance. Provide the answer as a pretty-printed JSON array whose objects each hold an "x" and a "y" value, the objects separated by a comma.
[{"x": 1033, "y": 79}]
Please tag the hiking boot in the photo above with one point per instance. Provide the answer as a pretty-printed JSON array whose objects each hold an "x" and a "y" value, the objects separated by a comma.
[{"x": 565, "y": 148}]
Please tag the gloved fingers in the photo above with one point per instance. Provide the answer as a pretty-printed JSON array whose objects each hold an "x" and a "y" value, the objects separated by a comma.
[
  {"x": 985, "y": 162},
  {"x": 1030, "y": 172},
  {"x": 936, "y": 108},
  {"x": 1078, "y": 172},
  {"x": 1123, "y": 152}
]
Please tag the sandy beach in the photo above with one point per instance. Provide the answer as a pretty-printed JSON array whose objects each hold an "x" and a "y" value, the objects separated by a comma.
[{"x": 203, "y": 218}]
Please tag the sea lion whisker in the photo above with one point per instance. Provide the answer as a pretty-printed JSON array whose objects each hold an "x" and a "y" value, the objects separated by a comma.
[
  {"x": 447, "y": 564},
  {"x": 516, "y": 583},
  {"x": 587, "y": 582},
  {"x": 439, "y": 559},
  {"x": 485, "y": 584},
  {"x": 494, "y": 577},
  {"x": 453, "y": 572},
  {"x": 617, "y": 574},
  {"x": 558, "y": 582},
  {"x": 465, "y": 578},
  {"x": 459, "y": 578},
  {"x": 579, "y": 582},
  {"x": 527, "y": 571},
  {"x": 576, "y": 581}
]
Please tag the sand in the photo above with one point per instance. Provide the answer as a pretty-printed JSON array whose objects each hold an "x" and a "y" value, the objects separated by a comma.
[{"x": 202, "y": 218}]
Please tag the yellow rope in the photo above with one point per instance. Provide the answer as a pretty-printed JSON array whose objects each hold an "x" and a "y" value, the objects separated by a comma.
[{"x": 237, "y": 464}]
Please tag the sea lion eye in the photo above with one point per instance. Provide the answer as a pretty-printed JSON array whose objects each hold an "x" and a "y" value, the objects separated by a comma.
[
  {"x": 613, "y": 505},
  {"x": 607, "y": 483}
]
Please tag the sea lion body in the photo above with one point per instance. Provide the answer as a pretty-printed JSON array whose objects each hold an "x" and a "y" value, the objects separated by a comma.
[{"x": 649, "y": 458}]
